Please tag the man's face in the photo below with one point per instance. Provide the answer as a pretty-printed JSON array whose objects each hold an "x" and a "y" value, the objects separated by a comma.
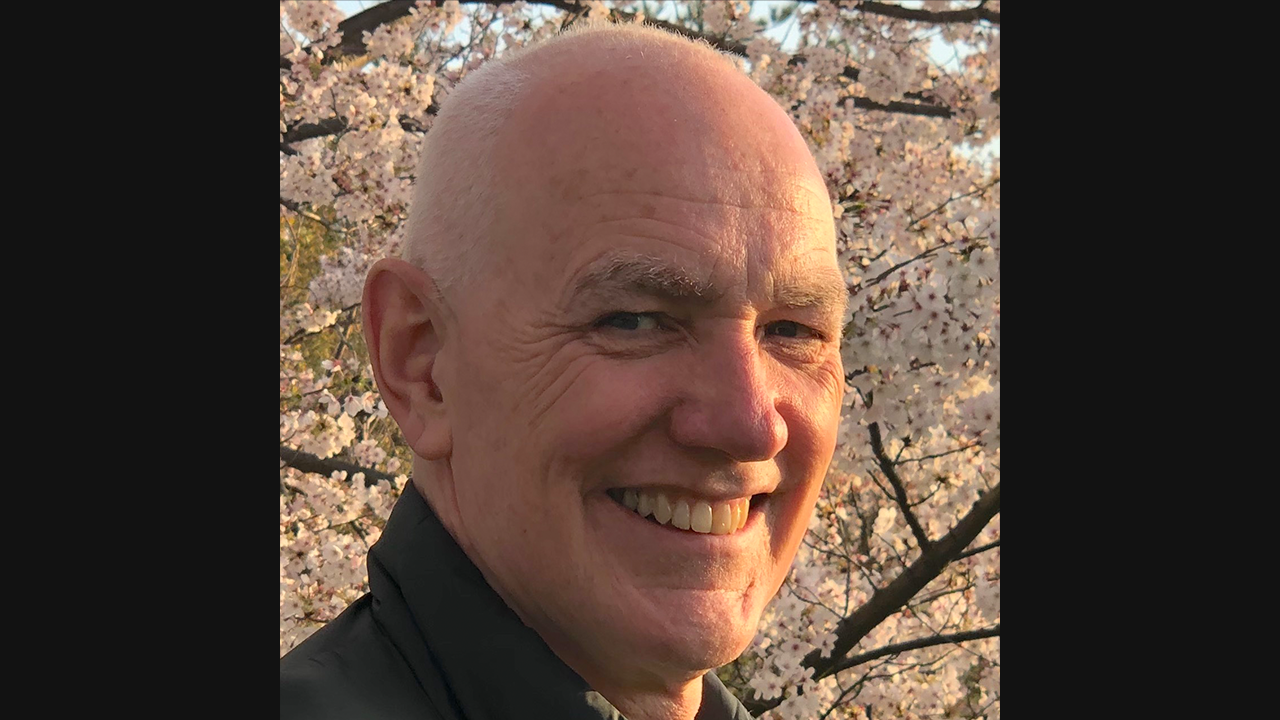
[{"x": 653, "y": 325}]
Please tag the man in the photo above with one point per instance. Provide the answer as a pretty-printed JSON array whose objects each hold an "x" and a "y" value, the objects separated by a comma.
[{"x": 613, "y": 347}]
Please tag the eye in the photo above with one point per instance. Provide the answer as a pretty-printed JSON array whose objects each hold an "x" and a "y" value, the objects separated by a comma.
[
  {"x": 630, "y": 321},
  {"x": 792, "y": 329}
]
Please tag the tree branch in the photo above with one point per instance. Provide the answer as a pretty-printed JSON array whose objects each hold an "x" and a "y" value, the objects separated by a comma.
[
  {"x": 898, "y": 593},
  {"x": 899, "y": 491},
  {"x": 916, "y": 644},
  {"x": 394, "y": 9},
  {"x": 976, "y": 191},
  {"x": 887, "y": 273},
  {"x": 307, "y": 462},
  {"x": 719, "y": 43},
  {"x": 922, "y": 458},
  {"x": 740, "y": 50},
  {"x": 299, "y": 335},
  {"x": 898, "y": 106},
  {"x": 307, "y": 131},
  {"x": 291, "y": 205},
  {"x": 335, "y": 125},
  {"x": 973, "y": 14},
  {"x": 980, "y": 549},
  {"x": 354, "y": 27}
]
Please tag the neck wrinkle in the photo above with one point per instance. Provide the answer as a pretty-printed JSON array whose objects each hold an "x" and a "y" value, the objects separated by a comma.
[{"x": 680, "y": 704}]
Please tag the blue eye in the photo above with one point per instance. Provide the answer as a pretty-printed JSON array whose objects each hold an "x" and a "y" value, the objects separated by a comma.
[{"x": 629, "y": 321}]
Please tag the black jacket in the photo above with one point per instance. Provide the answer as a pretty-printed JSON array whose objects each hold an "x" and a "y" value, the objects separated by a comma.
[{"x": 432, "y": 640}]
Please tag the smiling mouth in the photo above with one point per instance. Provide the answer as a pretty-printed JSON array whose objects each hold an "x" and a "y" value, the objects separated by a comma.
[{"x": 687, "y": 513}]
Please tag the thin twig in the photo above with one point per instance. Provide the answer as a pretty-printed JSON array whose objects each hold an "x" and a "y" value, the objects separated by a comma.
[
  {"x": 938, "y": 455},
  {"x": 297, "y": 208},
  {"x": 899, "y": 490},
  {"x": 899, "y": 266},
  {"x": 975, "y": 551},
  {"x": 917, "y": 644},
  {"x": 950, "y": 200}
]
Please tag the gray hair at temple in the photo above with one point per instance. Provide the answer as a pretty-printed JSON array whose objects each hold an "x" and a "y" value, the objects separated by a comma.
[{"x": 457, "y": 188}]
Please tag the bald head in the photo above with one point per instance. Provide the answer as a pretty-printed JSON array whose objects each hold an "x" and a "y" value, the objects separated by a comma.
[{"x": 544, "y": 124}]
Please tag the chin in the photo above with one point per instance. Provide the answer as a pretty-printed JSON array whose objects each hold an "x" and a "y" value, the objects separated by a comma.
[{"x": 694, "y": 647}]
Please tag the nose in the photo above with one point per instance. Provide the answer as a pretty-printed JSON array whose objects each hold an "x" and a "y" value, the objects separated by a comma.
[{"x": 731, "y": 404}]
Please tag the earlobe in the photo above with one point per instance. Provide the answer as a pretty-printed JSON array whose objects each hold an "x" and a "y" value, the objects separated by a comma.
[{"x": 404, "y": 328}]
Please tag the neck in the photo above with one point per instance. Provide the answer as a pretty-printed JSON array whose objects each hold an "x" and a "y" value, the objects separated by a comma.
[
  {"x": 679, "y": 702},
  {"x": 648, "y": 691}
]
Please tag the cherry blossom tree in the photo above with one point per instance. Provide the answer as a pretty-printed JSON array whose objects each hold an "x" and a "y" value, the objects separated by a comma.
[{"x": 892, "y": 608}]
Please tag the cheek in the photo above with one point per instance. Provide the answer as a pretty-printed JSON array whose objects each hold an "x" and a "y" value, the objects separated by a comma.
[
  {"x": 811, "y": 405},
  {"x": 608, "y": 404},
  {"x": 504, "y": 381}
]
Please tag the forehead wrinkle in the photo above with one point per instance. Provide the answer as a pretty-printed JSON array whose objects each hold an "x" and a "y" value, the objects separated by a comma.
[
  {"x": 746, "y": 199},
  {"x": 655, "y": 228}
]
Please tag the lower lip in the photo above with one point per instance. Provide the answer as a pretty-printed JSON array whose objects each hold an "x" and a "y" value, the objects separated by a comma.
[{"x": 691, "y": 540}]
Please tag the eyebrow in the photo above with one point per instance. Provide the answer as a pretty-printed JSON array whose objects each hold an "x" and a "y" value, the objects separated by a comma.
[
  {"x": 646, "y": 276},
  {"x": 826, "y": 291},
  {"x": 651, "y": 276}
]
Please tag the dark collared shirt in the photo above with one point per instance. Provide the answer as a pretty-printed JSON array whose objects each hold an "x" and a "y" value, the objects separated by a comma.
[{"x": 432, "y": 640}]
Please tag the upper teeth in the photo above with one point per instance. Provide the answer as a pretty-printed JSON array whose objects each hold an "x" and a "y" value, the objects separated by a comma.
[{"x": 718, "y": 518}]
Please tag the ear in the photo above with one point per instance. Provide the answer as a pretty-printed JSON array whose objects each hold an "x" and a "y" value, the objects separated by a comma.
[{"x": 403, "y": 328}]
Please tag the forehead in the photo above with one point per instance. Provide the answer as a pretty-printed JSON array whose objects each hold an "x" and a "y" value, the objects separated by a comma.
[
  {"x": 634, "y": 125},
  {"x": 727, "y": 216},
  {"x": 712, "y": 176},
  {"x": 691, "y": 235}
]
